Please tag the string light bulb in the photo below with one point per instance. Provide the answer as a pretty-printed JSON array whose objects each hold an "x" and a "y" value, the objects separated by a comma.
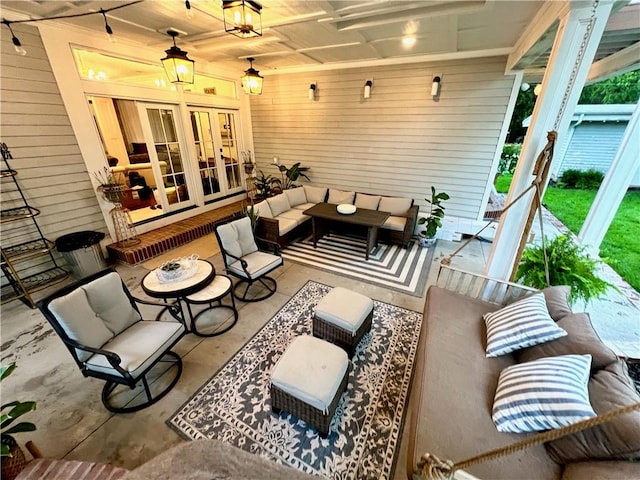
[
  {"x": 16, "y": 42},
  {"x": 107, "y": 28},
  {"x": 189, "y": 12}
]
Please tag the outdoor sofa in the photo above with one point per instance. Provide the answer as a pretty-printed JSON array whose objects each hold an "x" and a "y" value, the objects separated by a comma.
[
  {"x": 281, "y": 219},
  {"x": 455, "y": 383}
]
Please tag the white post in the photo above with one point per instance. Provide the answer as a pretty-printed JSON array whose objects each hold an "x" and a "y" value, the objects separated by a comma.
[
  {"x": 566, "y": 72},
  {"x": 615, "y": 184}
]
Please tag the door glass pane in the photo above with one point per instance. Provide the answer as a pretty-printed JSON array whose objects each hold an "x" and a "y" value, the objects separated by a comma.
[
  {"x": 203, "y": 135},
  {"x": 227, "y": 125},
  {"x": 168, "y": 151}
]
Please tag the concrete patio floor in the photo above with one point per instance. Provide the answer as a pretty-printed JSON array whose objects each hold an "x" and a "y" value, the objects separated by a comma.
[{"x": 72, "y": 422}]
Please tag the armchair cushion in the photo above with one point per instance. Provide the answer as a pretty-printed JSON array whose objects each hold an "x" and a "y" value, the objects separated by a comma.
[
  {"x": 278, "y": 204},
  {"x": 296, "y": 196},
  {"x": 339, "y": 196},
  {"x": 395, "y": 205},
  {"x": 315, "y": 194},
  {"x": 80, "y": 322},
  {"x": 258, "y": 264},
  {"x": 263, "y": 209},
  {"x": 369, "y": 202},
  {"x": 110, "y": 303},
  {"x": 138, "y": 347},
  {"x": 237, "y": 238}
]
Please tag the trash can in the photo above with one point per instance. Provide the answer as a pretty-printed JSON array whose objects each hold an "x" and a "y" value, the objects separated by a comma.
[{"x": 82, "y": 253}]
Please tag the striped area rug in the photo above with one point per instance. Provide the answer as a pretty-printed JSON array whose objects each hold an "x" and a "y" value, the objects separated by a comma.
[{"x": 389, "y": 266}]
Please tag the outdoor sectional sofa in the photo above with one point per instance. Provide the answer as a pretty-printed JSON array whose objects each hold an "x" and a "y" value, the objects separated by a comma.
[
  {"x": 281, "y": 218},
  {"x": 455, "y": 383}
]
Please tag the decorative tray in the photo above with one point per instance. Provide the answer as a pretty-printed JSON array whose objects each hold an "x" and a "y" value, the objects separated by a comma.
[
  {"x": 346, "y": 208},
  {"x": 177, "y": 269}
]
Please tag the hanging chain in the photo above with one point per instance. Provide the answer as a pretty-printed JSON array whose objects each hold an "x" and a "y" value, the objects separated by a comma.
[{"x": 576, "y": 65}]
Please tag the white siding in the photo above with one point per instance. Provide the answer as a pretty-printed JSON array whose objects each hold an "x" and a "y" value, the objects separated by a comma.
[
  {"x": 398, "y": 142},
  {"x": 35, "y": 126}
]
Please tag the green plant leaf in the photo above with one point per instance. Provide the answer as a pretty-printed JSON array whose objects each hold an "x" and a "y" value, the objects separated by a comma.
[
  {"x": 21, "y": 427},
  {"x": 6, "y": 370},
  {"x": 4, "y": 450}
]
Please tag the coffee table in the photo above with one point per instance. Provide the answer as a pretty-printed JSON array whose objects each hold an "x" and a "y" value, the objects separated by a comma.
[{"x": 324, "y": 214}]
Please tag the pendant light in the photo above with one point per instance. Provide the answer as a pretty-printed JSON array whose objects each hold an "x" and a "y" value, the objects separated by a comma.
[
  {"x": 242, "y": 18},
  {"x": 178, "y": 67},
  {"x": 252, "y": 80}
]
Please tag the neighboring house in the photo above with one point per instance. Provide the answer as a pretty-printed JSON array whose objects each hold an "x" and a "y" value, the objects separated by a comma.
[{"x": 592, "y": 140}]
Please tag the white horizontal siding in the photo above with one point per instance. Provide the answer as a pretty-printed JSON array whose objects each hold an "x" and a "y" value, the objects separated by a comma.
[
  {"x": 398, "y": 142},
  {"x": 593, "y": 146},
  {"x": 35, "y": 126}
]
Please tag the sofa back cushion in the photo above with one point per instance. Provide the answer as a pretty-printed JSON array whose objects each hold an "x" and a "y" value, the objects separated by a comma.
[
  {"x": 278, "y": 204},
  {"x": 315, "y": 194},
  {"x": 395, "y": 205},
  {"x": 79, "y": 321},
  {"x": 110, "y": 302},
  {"x": 557, "y": 298},
  {"x": 339, "y": 196},
  {"x": 237, "y": 238},
  {"x": 262, "y": 209},
  {"x": 369, "y": 202},
  {"x": 296, "y": 196}
]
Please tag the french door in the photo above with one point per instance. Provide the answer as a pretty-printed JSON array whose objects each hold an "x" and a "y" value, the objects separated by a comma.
[{"x": 216, "y": 145}]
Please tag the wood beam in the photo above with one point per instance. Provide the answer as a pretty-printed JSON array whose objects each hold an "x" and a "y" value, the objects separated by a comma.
[{"x": 625, "y": 60}]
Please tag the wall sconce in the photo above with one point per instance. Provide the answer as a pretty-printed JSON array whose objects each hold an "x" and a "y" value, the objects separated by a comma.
[
  {"x": 252, "y": 80},
  {"x": 312, "y": 91},
  {"x": 178, "y": 67},
  {"x": 367, "y": 88},
  {"x": 435, "y": 86},
  {"x": 242, "y": 18}
]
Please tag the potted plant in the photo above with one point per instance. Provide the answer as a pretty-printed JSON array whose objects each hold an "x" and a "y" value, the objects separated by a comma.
[
  {"x": 568, "y": 265},
  {"x": 248, "y": 163},
  {"x": 13, "y": 459},
  {"x": 252, "y": 213},
  {"x": 112, "y": 190},
  {"x": 265, "y": 185},
  {"x": 433, "y": 221},
  {"x": 290, "y": 175}
]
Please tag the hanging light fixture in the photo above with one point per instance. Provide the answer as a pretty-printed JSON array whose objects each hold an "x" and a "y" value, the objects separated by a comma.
[
  {"x": 178, "y": 67},
  {"x": 252, "y": 80},
  {"x": 242, "y": 18}
]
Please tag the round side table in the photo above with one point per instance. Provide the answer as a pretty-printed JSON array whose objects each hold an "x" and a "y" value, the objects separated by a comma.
[{"x": 219, "y": 288}]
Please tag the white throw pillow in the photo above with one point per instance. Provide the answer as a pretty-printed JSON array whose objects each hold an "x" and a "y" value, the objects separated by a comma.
[
  {"x": 315, "y": 194},
  {"x": 521, "y": 324},
  {"x": 296, "y": 196},
  {"x": 338, "y": 197},
  {"x": 367, "y": 201},
  {"x": 278, "y": 204},
  {"x": 546, "y": 393}
]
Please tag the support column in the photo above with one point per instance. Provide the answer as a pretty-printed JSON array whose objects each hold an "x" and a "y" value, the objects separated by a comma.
[
  {"x": 615, "y": 184},
  {"x": 571, "y": 57}
]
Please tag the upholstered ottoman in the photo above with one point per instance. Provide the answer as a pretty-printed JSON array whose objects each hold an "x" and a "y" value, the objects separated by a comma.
[
  {"x": 308, "y": 381},
  {"x": 343, "y": 317}
]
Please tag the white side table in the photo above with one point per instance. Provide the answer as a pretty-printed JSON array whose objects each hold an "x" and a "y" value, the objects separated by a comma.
[{"x": 219, "y": 288}]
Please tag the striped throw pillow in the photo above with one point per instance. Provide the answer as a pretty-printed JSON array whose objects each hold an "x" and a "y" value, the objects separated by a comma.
[
  {"x": 546, "y": 393},
  {"x": 521, "y": 324}
]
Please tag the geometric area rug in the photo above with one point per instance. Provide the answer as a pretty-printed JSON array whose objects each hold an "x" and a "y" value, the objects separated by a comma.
[
  {"x": 391, "y": 266},
  {"x": 234, "y": 405}
]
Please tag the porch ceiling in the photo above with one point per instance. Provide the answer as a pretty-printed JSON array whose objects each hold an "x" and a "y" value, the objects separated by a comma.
[{"x": 301, "y": 34}]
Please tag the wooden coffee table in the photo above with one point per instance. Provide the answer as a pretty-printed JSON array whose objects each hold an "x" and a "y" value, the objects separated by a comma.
[{"x": 324, "y": 214}]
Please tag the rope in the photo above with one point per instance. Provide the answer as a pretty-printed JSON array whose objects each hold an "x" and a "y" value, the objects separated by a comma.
[{"x": 433, "y": 468}]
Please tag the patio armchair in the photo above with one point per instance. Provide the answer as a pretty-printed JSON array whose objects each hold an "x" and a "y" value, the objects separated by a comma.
[
  {"x": 100, "y": 323},
  {"x": 244, "y": 261}
]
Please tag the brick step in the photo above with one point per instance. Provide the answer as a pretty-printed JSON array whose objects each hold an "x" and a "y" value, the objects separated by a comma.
[{"x": 160, "y": 240}]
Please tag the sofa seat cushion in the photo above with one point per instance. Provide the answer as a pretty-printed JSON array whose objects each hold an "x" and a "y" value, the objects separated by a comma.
[
  {"x": 338, "y": 197},
  {"x": 369, "y": 202},
  {"x": 285, "y": 225},
  {"x": 296, "y": 196},
  {"x": 315, "y": 194},
  {"x": 619, "y": 438},
  {"x": 344, "y": 308},
  {"x": 262, "y": 209},
  {"x": 258, "y": 263},
  {"x": 581, "y": 339},
  {"x": 461, "y": 382},
  {"x": 395, "y": 205},
  {"x": 395, "y": 223},
  {"x": 138, "y": 347},
  {"x": 602, "y": 470},
  {"x": 294, "y": 214},
  {"x": 304, "y": 206},
  {"x": 278, "y": 204}
]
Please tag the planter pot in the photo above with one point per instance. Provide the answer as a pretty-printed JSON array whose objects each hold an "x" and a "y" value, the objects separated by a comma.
[
  {"x": 426, "y": 242},
  {"x": 112, "y": 193},
  {"x": 248, "y": 168},
  {"x": 12, "y": 465}
]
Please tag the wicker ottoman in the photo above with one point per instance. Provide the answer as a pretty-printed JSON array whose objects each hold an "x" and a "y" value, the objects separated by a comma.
[
  {"x": 308, "y": 381},
  {"x": 343, "y": 317}
]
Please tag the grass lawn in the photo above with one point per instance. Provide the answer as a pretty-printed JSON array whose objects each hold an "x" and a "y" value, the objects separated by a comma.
[{"x": 621, "y": 245}]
